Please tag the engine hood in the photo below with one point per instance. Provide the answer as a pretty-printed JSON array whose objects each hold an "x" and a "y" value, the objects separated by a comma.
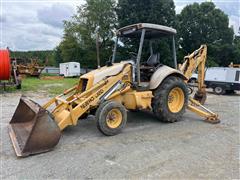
[{"x": 101, "y": 73}]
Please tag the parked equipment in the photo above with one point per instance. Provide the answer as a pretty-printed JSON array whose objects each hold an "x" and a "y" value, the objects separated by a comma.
[
  {"x": 29, "y": 67},
  {"x": 193, "y": 62},
  {"x": 223, "y": 79},
  {"x": 8, "y": 71},
  {"x": 70, "y": 69},
  {"x": 134, "y": 84},
  {"x": 234, "y": 65}
]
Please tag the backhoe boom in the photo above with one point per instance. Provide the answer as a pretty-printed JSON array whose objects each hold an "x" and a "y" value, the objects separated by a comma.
[{"x": 194, "y": 61}]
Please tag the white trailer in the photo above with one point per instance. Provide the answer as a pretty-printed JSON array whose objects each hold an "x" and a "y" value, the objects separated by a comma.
[
  {"x": 70, "y": 69},
  {"x": 221, "y": 79}
]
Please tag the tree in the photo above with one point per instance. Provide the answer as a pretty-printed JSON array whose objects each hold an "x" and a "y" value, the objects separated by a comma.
[
  {"x": 40, "y": 56},
  {"x": 57, "y": 56},
  {"x": 236, "y": 45},
  {"x": 146, "y": 11},
  {"x": 205, "y": 24},
  {"x": 149, "y": 11},
  {"x": 79, "y": 33}
]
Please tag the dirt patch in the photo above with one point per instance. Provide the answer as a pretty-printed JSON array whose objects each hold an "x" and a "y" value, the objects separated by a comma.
[
  {"x": 146, "y": 149},
  {"x": 53, "y": 85},
  {"x": 51, "y": 77}
]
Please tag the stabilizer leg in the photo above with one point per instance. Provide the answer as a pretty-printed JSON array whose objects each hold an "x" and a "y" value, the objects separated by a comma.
[{"x": 201, "y": 110}]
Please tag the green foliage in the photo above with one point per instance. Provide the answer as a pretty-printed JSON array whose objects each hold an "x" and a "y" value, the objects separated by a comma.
[
  {"x": 197, "y": 24},
  {"x": 57, "y": 56},
  {"x": 146, "y": 11},
  {"x": 149, "y": 11},
  {"x": 205, "y": 24},
  {"x": 79, "y": 41},
  {"x": 236, "y": 46},
  {"x": 41, "y": 56}
]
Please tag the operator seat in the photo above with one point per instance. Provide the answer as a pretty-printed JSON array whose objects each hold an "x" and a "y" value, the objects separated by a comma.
[
  {"x": 153, "y": 60},
  {"x": 147, "y": 69}
]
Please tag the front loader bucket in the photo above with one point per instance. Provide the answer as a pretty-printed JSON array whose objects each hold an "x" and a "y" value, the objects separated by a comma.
[{"x": 32, "y": 129}]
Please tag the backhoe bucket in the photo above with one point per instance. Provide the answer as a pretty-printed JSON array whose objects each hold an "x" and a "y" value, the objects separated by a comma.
[
  {"x": 200, "y": 97},
  {"x": 32, "y": 129}
]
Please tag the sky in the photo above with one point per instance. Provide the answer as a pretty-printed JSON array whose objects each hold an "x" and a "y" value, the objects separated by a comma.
[{"x": 38, "y": 24}]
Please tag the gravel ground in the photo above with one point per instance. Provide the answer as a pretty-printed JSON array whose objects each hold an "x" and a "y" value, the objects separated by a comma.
[{"x": 147, "y": 148}]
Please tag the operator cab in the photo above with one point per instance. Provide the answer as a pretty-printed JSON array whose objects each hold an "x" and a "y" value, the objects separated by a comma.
[{"x": 144, "y": 41}]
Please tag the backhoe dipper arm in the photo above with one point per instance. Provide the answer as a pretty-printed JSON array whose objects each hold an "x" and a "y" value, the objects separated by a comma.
[{"x": 194, "y": 61}]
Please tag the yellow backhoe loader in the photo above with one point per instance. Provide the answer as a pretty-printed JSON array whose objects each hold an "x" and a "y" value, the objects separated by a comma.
[{"x": 138, "y": 83}]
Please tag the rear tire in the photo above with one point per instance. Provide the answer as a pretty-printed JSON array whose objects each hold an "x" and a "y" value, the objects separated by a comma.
[
  {"x": 170, "y": 99},
  {"x": 111, "y": 118}
]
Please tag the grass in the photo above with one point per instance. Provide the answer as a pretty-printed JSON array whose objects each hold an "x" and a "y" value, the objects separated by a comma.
[
  {"x": 47, "y": 74},
  {"x": 52, "y": 87}
]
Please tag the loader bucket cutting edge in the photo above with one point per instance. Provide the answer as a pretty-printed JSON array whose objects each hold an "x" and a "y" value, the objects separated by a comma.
[{"x": 32, "y": 129}]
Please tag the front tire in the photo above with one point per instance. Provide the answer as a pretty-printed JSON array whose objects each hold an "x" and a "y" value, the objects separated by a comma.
[
  {"x": 170, "y": 99},
  {"x": 111, "y": 118}
]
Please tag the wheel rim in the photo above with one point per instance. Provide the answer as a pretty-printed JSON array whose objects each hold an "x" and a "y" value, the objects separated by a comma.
[
  {"x": 176, "y": 100},
  {"x": 218, "y": 89},
  {"x": 114, "y": 118}
]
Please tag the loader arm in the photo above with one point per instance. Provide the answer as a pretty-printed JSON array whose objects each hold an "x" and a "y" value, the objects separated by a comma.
[
  {"x": 196, "y": 60},
  {"x": 69, "y": 106},
  {"x": 35, "y": 129}
]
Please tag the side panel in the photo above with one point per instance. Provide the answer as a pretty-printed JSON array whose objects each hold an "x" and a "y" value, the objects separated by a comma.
[
  {"x": 216, "y": 74},
  {"x": 62, "y": 69},
  {"x": 237, "y": 76},
  {"x": 233, "y": 75},
  {"x": 137, "y": 100},
  {"x": 222, "y": 74},
  {"x": 74, "y": 69},
  {"x": 161, "y": 74}
]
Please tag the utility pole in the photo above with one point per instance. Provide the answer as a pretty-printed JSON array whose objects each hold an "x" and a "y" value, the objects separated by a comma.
[{"x": 97, "y": 46}]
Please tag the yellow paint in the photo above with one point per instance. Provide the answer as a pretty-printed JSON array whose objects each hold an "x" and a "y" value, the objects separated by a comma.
[
  {"x": 137, "y": 100},
  {"x": 73, "y": 103},
  {"x": 196, "y": 60},
  {"x": 195, "y": 107},
  {"x": 114, "y": 118},
  {"x": 175, "y": 100},
  {"x": 70, "y": 106}
]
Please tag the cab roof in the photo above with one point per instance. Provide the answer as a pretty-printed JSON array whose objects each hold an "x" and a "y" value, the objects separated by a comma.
[{"x": 152, "y": 30}]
